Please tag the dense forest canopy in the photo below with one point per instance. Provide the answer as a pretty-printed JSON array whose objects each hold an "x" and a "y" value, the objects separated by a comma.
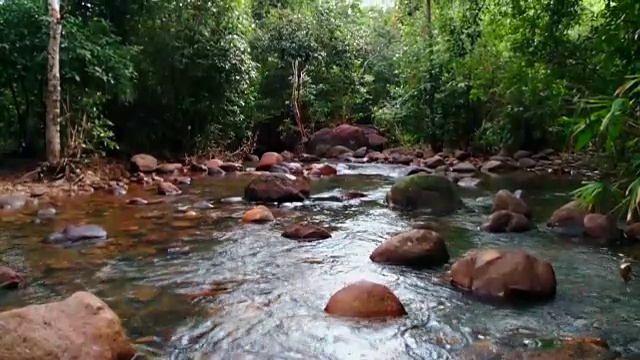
[{"x": 182, "y": 77}]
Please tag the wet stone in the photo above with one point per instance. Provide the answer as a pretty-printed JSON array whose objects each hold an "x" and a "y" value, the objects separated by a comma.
[
  {"x": 306, "y": 232},
  {"x": 202, "y": 205},
  {"x": 74, "y": 234},
  {"x": 420, "y": 248},
  {"x": 13, "y": 201},
  {"x": 137, "y": 201},
  {"x": 365, "y": 299},
  {"x": 118, "y": 191},
  {"x": 46, "y": 213}
]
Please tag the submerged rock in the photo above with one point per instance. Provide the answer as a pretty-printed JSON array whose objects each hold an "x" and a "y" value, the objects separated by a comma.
[
  {"x": 365, "y": 299},
  {"x": 568, "y": 348},
  {"x": 259, "y": 214},
  {"x": 74, "y": 234},
  {"x": 419, "y": 248},
  {"x": 79, "y": 327},
  {"x": 306, "y": 232},
  {"x": 278, "y": 188},
  {"x": 506, "y": 221},
  {"x": 422, "y": 191},
  {"x": 505, "y": 275}
]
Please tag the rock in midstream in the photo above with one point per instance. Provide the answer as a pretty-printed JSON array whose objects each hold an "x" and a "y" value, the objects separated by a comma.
[{"x": 73, "y": 234}]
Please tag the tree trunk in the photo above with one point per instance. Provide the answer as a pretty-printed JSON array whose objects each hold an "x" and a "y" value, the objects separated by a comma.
[
  {"x": 428, "y": 16},
  {"x": 52, "y": 125}
]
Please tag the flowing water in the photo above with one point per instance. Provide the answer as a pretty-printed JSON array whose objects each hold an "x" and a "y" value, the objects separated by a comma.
[{"x": 244, "y": 292}]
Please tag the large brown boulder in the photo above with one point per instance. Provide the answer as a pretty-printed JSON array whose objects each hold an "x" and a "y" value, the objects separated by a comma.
[
  {"x": 506, "y": 200},
  {"x": 278, "y": 188},
  {"x": 506, "y": 221},
  {"x": 143, "y": 163},
  {"x": 79, "y": 327},
  {"x": 505, "y": 275},
  {"x": 351, "y": 137},
  {"x": 569, "y": 219},
  {"x": 423, "y": 191},
  {"x": 416, "y": 248},
  {"x": 365, "y": 299}
]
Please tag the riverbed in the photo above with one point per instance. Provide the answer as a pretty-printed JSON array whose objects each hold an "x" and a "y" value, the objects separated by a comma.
[{"x": 210, "y": 285}]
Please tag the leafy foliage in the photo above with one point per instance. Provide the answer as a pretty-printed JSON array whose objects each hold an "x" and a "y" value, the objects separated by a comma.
[{"x": 172, "y": 77}]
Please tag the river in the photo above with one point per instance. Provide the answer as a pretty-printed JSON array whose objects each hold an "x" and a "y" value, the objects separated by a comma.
[{"x": 266, "y": 294}]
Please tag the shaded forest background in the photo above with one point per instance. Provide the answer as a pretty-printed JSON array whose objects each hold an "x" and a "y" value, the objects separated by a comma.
[{"x": 170, "y": 77}]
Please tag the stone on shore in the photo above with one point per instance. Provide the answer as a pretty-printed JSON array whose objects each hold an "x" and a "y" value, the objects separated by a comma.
[{"x": 78, "y": 327}]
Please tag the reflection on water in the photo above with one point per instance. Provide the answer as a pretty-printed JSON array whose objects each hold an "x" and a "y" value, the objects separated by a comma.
[{"x": 242, "y": 291}]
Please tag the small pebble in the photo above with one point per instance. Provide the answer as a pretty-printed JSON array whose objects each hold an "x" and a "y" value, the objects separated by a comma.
[
  {"x": 179, "y": 250},
  {"x": 46, "y": 213}
]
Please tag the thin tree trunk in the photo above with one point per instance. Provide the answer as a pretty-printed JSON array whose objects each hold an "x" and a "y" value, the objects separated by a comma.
[
  {"x": 428, "y": 15},
  {"x": 52, "y": 125}
]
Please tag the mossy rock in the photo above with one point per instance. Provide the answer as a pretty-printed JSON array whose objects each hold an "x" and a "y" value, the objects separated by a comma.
[{"x": 434, "y": 193}]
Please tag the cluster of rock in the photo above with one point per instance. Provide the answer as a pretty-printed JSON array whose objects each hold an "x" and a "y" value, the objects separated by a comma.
[
  {"x": 364, "y": 144},
  {"x": 493, "y": 274},
  {"x": 496, "y": 274}
]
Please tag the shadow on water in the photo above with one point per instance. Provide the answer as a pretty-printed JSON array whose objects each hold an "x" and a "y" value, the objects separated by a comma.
[{"x": 245, "y": 291}]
